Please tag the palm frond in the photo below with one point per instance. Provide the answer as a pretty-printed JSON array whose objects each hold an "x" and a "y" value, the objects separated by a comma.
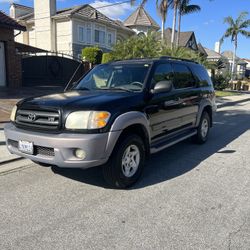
[
  {"x": 229, "y": 20},
  {"x": 245, "y": 33},
  {"x": 188, "y": 9}
]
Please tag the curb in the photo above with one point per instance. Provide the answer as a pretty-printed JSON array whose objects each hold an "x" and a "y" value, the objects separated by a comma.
[{"x": 10, "y": 160}]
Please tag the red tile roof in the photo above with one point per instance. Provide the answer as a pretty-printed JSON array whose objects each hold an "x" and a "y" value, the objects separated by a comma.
[{"x": 8, "y": 22}]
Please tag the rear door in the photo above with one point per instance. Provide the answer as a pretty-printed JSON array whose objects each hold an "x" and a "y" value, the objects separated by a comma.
[{"x": 188, "y": 94}]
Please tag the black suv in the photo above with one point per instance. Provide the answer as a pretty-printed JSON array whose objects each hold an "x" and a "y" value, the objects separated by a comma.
[{"x": 115, "y": 116}]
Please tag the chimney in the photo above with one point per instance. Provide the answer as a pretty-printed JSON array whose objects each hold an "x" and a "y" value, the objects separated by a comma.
[
  {"x": 217, "y": 47},
  {"x": 44, "y": 25}
]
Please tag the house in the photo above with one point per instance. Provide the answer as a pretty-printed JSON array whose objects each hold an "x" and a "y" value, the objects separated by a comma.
[
  {"x": 141, "y": 22},
  {"x": 10, "y": 62},
  {"x": 187, "y": 39},
  {"x": 240, "y": 65},
  {"x": 247, "y": 67},
  {"x": 68, "y": 30}
]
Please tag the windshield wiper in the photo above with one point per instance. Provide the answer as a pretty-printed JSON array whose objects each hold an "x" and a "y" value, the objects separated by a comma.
[{"x": 117, "y": 88}]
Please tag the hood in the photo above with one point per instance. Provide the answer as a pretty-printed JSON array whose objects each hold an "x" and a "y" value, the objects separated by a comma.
[{"x": 84, "y": 100}]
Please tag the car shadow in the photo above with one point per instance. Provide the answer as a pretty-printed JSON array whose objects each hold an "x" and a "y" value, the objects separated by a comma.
[{"x": 179, "y": 159}]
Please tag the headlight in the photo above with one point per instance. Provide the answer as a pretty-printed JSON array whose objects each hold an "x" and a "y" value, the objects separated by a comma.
[
  {"x": 13, "y": 113},
  {"x": 87, "y": 120}
]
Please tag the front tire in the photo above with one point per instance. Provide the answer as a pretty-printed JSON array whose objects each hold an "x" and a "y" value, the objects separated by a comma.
[
  {"x": 203, "y": 129},
  {"x": 126, "y": 163}
]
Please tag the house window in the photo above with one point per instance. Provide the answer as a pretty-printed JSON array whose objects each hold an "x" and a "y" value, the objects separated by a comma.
[
  {"x": 100, "y": 34},
  {"x": 81, "y": 35},
  {"x": 88, "y": 35},
  {"x": 111, "y": 39}
]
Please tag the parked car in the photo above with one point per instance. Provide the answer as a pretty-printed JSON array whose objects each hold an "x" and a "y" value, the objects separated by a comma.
[{"x": 115, "y": 116}]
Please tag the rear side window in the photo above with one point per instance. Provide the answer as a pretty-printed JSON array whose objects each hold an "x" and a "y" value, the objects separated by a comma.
[
  {"x": 183, "y": 77},
  {"x": 201, "y": 75}
]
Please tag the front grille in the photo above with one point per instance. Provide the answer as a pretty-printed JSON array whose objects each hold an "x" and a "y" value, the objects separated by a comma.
[
  {"x": 38, "y": 150},
  {"x": 40, "y": 119},
  {"x": 44, "y": 151}
]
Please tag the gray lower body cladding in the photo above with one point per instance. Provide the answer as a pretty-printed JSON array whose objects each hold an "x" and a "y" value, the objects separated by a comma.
[{"x": 58, "y": 149}]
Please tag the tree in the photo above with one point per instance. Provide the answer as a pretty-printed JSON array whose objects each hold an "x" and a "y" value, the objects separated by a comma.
[
  {"x": 175, "y": 6},
  {"x": 93, "y": 55},
  {"x": 162, "y": 7},
  {"x": 185, "y": 8},
  {"x": 138, "y": 47},
  {"x": 236, "y": 27}
]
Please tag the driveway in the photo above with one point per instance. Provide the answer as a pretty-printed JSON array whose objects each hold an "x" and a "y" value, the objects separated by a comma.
[{"x": 190, "y": 197}]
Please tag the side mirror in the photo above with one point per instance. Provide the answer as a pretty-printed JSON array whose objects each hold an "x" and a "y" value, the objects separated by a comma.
[{"x": 162, "y": 86}]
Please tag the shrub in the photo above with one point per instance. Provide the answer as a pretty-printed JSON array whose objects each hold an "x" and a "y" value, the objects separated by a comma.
[
  {"x": 239, "y": 83},
  {"x": 92, "y": 55},
  {"x": 107, "y": 57},
  {"x": 221, "y": 82}
]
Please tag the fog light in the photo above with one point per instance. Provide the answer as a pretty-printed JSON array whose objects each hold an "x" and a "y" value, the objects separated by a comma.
[{"x": 79, "y": 153}]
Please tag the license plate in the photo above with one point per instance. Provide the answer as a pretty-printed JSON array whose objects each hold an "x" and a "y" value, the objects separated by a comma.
[{"x": 26, "y": 147}]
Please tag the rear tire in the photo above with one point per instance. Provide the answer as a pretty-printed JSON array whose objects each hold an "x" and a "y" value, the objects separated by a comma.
[
  {"x": 126, "y": 163},
  {"x": 203, "y": 129}
]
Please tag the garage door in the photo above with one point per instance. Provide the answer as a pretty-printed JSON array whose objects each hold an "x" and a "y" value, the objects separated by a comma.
[{"x": 2, "y": 66}]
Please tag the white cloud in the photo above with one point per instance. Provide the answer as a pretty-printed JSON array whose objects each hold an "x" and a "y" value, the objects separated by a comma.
[
  {"x": 209, "y": 22},
  {"x": 114, "y": 12}
]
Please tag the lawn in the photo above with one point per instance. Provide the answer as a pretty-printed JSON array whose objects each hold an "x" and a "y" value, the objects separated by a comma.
[{"x": 225, "y": 93}]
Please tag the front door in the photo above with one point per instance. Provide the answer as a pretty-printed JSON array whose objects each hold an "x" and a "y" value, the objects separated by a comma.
[
  {"x": 163, "y": 109},
  {"x": 2, "y": 66}
]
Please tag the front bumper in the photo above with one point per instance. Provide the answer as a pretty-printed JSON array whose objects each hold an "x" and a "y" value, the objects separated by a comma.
[{"x": 58, "y": 149}]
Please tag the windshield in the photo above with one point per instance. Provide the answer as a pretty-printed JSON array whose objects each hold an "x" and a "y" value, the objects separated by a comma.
[{"x": 125, "y": 77}]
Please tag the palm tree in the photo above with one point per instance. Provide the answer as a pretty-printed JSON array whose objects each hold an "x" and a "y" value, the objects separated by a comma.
[
  {"x": 185, "y": 8},
  {"x": 175, "y": 6},
  {"x": 236, "y": 27},
  {"x": 162, "y": 7}
]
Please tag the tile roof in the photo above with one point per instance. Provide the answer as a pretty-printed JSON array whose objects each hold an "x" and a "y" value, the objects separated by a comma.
[
  {"x": 201, "y": 49},
  {"x": 184, "y": 37},
  {"x": 229, "y": 54},
  {"x": 8, "y": 22},
  {"x": 211, "y": 54},
  {"x": 86, "y": 11},
  {"x": 141, "y": 18}
]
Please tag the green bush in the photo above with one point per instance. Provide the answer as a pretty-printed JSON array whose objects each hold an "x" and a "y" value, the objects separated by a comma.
[
  {"x": 221, "y": 82},
  {"x": 107, "y": 57},
  {"x": 92, "y": 55}
]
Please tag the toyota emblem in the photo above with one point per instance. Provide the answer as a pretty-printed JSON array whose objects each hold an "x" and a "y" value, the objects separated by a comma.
[{"x": 32, "y": 117}]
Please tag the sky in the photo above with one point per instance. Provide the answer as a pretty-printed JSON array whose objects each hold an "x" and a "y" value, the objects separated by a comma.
[{"x": 207, "y": 24}]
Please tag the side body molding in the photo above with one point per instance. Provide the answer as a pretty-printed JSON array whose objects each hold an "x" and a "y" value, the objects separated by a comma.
[{"x": 122, "y": 122}]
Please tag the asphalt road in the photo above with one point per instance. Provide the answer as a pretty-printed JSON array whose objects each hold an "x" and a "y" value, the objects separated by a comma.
[{"x": 190, "y": 197}]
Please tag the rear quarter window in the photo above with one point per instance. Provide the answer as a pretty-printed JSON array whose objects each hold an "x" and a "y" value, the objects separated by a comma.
[{"x": 201, "y": 75}]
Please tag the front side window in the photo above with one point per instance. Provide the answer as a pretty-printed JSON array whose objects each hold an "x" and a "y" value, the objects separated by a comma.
[
  {"x": 127, "y": 77},
  {"x": 163, "y": 72},
  {"x": 183, "y": 77}
]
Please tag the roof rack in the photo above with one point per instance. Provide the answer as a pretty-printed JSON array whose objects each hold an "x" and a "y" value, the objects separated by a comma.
[
  {"x": 176, "y": 58},
  {"x": 159, "y": 58}
]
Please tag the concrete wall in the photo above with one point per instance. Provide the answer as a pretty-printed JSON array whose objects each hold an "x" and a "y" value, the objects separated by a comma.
[{"x": 64, "y": 36}]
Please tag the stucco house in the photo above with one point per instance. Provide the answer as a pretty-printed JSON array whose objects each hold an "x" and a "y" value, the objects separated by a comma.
[
  {"x": 68, "y": 30},
  {"x": 10, "y": 62}
]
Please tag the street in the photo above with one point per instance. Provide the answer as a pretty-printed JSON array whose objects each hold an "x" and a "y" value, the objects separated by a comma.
[{"x": 190, "y": 197}]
